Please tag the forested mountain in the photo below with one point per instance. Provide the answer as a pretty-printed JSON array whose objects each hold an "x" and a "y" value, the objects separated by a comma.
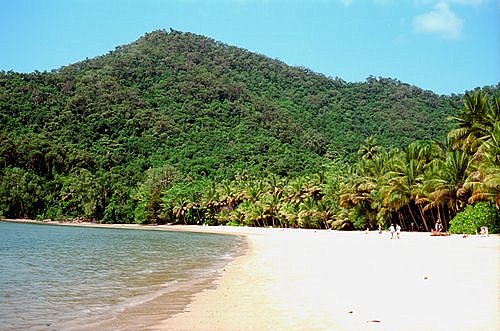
[{"x": 99, "y": 137}]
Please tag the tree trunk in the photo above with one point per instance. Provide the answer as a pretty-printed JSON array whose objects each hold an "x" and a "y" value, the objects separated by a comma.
[
  {"x": 447, "y": 220},
  {"x": 423, "y": 218},
  {"x": 440, "y": 215},
  {"x": 412, "y": 216},
  {"x": 435, "y": 215},
  {"x": 400, "y": 216}
]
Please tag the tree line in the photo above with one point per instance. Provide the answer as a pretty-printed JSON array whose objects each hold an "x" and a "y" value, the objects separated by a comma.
[
  {"x": 426, "y": 182},
  {"x": 417, "y": 186}
]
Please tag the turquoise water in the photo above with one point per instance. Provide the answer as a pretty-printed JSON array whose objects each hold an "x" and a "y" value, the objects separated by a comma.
[{"x": 53, "y": 277}]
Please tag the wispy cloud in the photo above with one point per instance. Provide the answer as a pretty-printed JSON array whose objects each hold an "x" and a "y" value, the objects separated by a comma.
[{"x": 441, "y": 20}]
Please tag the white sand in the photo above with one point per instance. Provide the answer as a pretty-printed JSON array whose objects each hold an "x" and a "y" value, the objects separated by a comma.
[{"x": 327, "y": 280}]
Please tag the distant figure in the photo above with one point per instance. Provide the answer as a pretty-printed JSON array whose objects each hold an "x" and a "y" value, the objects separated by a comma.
[
  {"x": 484, "y": 231},
  {"x": 398, "y": 230},
  {"x": 439, "y": 226},
  {"x": 392, "y": 230},
  {"x": 379, "y": 229},
  {"x": 367, "y": 230}
]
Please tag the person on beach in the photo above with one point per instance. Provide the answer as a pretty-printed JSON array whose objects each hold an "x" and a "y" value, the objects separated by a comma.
[
  {"x": 439, "y": 226},
  {"x": 398, "y": 230},
  {"x": 392, "y": 230},
  {"x": 379, "y": 229}
]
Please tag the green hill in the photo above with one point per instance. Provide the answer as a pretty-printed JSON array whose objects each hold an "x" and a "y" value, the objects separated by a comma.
[{"x": 83, "y": 137}]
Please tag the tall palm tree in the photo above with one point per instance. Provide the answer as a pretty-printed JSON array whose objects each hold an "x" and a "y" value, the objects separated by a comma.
[
  {"x": 288, "y": 213},
  {"x": 357, "y": 196},
  {"x": 449, "y": 176},
  {"x": 403, "y": 182},
  {"x": 475, "y": 120},
  {"x": 306, "y": 213},
  {"x": 484, "y": 180}
]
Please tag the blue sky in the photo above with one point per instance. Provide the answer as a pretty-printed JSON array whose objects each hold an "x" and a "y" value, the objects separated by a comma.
[{"x": 444, "y": 46}]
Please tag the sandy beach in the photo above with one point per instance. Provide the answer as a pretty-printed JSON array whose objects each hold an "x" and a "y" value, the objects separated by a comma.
[
  {"x": 328, "y": 280},
  {"x": 292, "y": 279}
]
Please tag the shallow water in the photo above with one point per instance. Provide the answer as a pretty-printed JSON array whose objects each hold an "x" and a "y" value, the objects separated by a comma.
[{"x": 54, "y": 277}]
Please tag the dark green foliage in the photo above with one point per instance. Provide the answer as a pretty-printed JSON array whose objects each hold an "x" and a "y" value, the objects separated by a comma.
[
  {"x": 22, "y": 193},
  {"x": 473, "y": 217},
  {"x": 90, "y": 140}
]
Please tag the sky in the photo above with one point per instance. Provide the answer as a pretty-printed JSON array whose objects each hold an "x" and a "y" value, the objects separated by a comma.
[{"x": 444, "y": 46}]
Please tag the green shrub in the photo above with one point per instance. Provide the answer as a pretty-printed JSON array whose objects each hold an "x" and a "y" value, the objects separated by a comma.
[
  {"x": 473, "y": 217},
  {"x": 358, "y": 219}
]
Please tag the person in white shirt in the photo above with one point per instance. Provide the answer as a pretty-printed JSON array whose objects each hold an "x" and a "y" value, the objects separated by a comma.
[
  {"x": 398, "y": 230},
  {"x": 392, "y": 230}
]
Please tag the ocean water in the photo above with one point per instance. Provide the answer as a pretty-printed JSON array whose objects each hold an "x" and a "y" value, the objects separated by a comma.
[{"x": 62, "y": 277}]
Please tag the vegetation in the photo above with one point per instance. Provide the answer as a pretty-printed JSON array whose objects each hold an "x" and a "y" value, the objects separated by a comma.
[
  {"x": 178, "y": 128},
  {"x": 473, "y": 217}
]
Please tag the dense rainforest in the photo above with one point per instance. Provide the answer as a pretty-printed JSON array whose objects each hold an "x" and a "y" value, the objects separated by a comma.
[{"x": 179, "y": 128}]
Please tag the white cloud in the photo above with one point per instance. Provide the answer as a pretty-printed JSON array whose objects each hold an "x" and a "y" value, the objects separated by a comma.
[{"x": 441, "y": 20}]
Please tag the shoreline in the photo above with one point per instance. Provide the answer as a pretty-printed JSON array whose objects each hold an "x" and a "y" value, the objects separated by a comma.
[
  {"x": 296, "y": 279},
  {"x": 221, "y": 229}
]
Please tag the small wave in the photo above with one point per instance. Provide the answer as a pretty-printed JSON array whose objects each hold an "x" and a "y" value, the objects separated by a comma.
[{"x": 169, "y": 283}]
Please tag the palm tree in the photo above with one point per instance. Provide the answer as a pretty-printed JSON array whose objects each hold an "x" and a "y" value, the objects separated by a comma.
[
  {"x": 449, "y": 176},
  {"x": 402, "y": 188},
  {"x": 288, "y": 212},
  {"x": 357, "y": 195},
  {"x": 254, "y": 189},
  {"x": 369, "y": 149},
  {"x": 475, "y": 121},
  {"x": 293, "y": 190},
  {"x": 484, "y": 180},
  {"x": 272, "y": 205},
  {"x": 307, "y": 213}
]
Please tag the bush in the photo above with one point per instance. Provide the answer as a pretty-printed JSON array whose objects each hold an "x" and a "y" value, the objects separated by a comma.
[
  {"x": 473, "y": 217},
  {"x": 357, "y": 219}
]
